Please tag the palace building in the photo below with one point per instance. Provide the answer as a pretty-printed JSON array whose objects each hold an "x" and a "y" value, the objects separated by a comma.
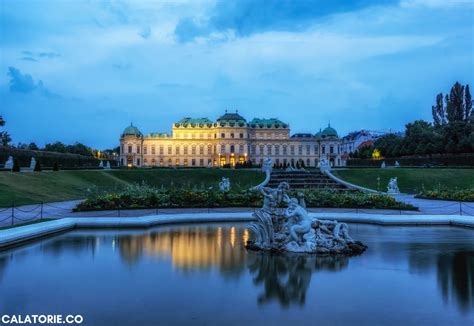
[{"x": 229, "y": 140}]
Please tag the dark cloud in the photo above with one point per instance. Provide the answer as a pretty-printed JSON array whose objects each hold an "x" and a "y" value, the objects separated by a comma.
[
  {"x": 24, "y": 83},
  {"x": 246, "y": 17}
]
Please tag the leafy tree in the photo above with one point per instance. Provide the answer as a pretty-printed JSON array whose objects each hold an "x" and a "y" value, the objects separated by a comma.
[
  {"x": 32, "y": 146},
  {"x": 438, "y": 111},
  {"x": 5, "y": 138}
]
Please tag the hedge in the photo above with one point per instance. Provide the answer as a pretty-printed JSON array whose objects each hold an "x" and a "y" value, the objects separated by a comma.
[
  {"x": 433, "y": 160},
  {"x": 47, "y": 159}
]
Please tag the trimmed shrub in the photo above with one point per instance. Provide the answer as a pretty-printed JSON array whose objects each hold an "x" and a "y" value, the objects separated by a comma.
[
  {"x": 37, "y": 166},
  {"x": 16, "y": 165},
  {"x": 144, "y": 196},
  {"x": 56, "y": 166}
]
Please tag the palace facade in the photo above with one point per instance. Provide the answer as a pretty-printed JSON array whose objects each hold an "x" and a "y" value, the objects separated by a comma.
[{"x": 229, "y": 140}]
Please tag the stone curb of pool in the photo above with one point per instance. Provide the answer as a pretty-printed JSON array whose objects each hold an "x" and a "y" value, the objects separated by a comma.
[{"x": 17, "y": 235}]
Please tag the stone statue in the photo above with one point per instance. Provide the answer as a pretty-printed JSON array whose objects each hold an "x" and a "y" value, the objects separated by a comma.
[
  {"x": 291, "y": 229},
  {"x": 101, "y": 164},
  {"x": 32, "y": 163},
  {"x": 9, "y": 163},
  {"x": 383, "y": 166},
  {"x": 107, "y": 165},
  {"x": 224, "y": 185},
  {"x": 392, "y": 187},
  {"x": 397, "y": 165},
  {"x": 324, "y": 165}
]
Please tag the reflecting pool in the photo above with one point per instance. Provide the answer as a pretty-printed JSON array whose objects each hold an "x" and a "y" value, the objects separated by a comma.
[{"x": 202, "y": 275}]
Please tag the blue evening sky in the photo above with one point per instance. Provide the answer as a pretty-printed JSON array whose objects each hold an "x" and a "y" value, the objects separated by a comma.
[{"x": 83, "y": 70}]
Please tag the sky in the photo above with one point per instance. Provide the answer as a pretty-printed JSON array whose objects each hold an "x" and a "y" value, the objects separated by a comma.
[{"x": 84, "y": 70}]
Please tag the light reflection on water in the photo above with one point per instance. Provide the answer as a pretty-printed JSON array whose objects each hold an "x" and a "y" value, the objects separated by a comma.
[{"x": 428, "y": 273}]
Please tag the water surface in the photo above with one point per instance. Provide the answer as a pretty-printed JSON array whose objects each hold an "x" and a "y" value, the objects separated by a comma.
[{"x": 202, "y": 275}]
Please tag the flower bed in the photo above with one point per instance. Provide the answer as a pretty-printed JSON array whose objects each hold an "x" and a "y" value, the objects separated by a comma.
[
  {"x": 144, "y": 196},
  {"x": 448, "y": 194}
]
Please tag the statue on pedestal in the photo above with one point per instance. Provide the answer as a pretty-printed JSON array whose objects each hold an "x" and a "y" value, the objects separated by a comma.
[
  {"x": 32, "y": 163},
  {"x": 9, "y": 163},
  {"x": 392, "y": 187},
  {"x": 291, "y": 229},
  {"x": 224, "y": 185}
]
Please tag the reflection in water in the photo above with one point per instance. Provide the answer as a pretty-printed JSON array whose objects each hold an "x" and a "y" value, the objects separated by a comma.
[
  {"x": 443, "y": 253},
  {"x": 190, "y": 247},
  {"x": 286, "y": 278},
  {"x": 456, "y": 278}
]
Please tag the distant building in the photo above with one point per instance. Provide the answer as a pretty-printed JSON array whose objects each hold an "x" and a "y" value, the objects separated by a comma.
[
  {"x": 358, "y": 139},
  {"x": 228, "y": 140}
]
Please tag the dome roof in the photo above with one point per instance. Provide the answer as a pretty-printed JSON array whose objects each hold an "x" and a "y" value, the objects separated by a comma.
[
  {"x": 131, "y": 131},
  {"x": 329, "y": 132},
  {"x": 234, "y": 117}
]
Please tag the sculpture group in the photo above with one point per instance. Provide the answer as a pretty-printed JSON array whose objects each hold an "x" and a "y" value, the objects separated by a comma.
[{"x": 283, "y": 225}]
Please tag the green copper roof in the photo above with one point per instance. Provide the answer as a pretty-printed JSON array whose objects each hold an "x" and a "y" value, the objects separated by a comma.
[
  {"x": 329, "y": 132},
  {"x": 191, "y": 122},
  {"x": 234, "y": 117},
  {"x": 131, "y": 131},
  {"x": 267, "y": 123}
]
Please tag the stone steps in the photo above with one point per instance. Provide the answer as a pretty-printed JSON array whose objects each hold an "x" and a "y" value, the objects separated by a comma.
[{"x": 305, "y": 180}]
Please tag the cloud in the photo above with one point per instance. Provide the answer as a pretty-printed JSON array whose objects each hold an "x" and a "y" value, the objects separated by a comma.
[
  {"x": 122, "y": 66},
  {"x": 145, "y": 32},
  {"x": 247, "y": 17},
  {"x": 36, "y": 56},
  {"x": 24, "y": 83},
  {"x": 29, "y": 59}
]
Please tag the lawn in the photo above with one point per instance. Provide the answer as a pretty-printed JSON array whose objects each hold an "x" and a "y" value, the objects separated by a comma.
[
  {"x": 410, "y": 180},
  {"x": 34, "y": 187}
]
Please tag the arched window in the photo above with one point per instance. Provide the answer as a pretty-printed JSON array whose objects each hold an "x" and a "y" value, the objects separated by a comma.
[{"x": 232, "y": 148}]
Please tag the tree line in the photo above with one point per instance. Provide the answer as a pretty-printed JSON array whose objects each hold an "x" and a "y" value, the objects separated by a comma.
[
  {"x": 450, "y": 132},
  {"x": 58, "y": 147}
]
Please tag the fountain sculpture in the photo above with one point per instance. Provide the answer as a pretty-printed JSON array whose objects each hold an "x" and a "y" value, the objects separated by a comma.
[{"x": 290, "y": 229}]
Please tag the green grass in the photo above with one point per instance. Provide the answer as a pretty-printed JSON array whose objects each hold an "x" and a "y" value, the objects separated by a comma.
[
  {"x": 48, "y": 186},
  {"x": 410, "y": 180}
]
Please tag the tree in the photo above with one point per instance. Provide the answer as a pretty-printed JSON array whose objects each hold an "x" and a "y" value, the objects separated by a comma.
[
  {"x": 455, "y": 106},
  {"x": 438, "y": 111},
  {"x": 5, "y": 138},
  {"x": 467, "y": 104},
  {"x": 32, "y": 146}
]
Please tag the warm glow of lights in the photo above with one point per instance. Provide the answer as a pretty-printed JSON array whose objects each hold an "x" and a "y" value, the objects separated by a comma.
[
  {"x": 232, "y": 236},
  {"x": 245, "y": 236},
  {"x": 376, "y": 154}
]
